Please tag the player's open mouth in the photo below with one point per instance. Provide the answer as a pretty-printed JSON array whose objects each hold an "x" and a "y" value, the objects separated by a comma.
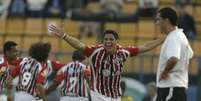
[{"x": 108, "y": 45}]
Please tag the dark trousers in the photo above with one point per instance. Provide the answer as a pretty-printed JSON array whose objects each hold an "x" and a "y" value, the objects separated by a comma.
[{"x": 171, "y": 94}]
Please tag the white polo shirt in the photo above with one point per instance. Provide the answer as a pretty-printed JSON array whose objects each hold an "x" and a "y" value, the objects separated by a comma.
[{"x": 175, "y": 45}]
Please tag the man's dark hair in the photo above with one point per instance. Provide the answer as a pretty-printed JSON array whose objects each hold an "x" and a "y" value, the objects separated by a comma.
[
  {"x": 40, "y": 51},
  {"x": 115, "y": 34},
  {"x": 8, "y": 45},
  {"x": 78, "y": 55},
  {"x": 170, "y": 14}
]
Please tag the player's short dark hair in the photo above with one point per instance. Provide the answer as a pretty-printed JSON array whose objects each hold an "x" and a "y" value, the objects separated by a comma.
[
  {"x": 170, "y": 14},
  {"x": 114, "y": 33},
  {"x": 40, "y": 51},
  {"x": 8, "y": 45},
  {"x": 78, "y": 55}
]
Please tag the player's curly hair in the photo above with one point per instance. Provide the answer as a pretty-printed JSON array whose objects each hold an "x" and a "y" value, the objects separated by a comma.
[{"x": 40, "y": 51}]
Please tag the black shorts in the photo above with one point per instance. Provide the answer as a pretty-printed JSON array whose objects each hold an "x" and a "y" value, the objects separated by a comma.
[{"x": 171, "y": 94}]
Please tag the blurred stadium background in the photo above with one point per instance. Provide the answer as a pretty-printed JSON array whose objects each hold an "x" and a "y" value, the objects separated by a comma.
[{"x": 27, "y": 30}]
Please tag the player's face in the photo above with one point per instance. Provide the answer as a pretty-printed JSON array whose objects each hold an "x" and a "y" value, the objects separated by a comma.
[
  {"x": 160, "y": 22},
  {"x": 109, "y": 42},
  {"x": 13, "y": 53}
]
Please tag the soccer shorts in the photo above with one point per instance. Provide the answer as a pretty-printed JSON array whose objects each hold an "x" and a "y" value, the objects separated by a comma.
[
  {"x": 171, "y": 94},
  {"x": 99, "y": 97},
  {"x": 69, "y": 98},
  {"x": 23, "y": 96},
  {"x": 3, "y": 97}
]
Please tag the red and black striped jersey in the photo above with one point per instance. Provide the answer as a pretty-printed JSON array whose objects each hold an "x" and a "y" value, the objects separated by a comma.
[
  {"x": 5, "y": 69},
  {"x": 73, "y": 79},
  {"x": 107, "y": 69},
  {"x": 30, "y": 73}
]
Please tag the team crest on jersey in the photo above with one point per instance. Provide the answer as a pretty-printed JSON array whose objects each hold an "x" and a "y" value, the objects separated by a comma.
[
  {"x": 106, "y": 72},
  {"x": 71, "y": 70}
]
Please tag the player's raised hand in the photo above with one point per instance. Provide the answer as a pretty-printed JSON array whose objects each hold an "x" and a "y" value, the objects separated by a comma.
[{"x": 56, "y": 30}]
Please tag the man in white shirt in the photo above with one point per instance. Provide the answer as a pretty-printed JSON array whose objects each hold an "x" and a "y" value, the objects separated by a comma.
[{"x": 172, "y": 73}]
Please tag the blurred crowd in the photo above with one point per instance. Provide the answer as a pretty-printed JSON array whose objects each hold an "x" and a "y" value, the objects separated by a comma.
[{"x": 110, "y": 9}]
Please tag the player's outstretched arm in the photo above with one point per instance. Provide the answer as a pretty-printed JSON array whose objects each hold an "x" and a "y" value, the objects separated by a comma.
[
  {"x": 59, "y": 32},
  {"x": 151, "y": 45}
]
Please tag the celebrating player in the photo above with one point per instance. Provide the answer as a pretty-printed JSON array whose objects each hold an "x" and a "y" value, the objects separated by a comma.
[
  {"x": 7, "y": 63},
  {"x": 51, "y": 67},
  {"x": 106, "y": 60}
]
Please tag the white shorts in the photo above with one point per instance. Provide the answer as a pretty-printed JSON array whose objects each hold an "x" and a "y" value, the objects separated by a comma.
[
  {"x": 99, "y": 97},
  {"x": 68, "y": 98},
  {"x": 23, "y": 96},
  {"x": 3, "y": 97}
]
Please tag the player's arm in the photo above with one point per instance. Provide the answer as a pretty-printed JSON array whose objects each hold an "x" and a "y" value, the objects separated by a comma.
[
  {"x": 150, "y": 45},
  {"x": 169, "y": 66},
  {"x": 56, "y": 81},
  {"x": 9, "y": 87},
  {"x": 41, "y": 89},
  {"x": 15, "y": 72},
  {"x": 59, "y": 32},
  {"x": 39, "y": 85}
]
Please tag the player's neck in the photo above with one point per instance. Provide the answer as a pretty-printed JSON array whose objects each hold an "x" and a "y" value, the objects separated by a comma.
[{"x": 170, "y": 29}]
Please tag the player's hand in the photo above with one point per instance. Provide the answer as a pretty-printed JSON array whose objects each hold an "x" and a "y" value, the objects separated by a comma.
[
  {"x": 164, "y": 76},
  {"x": 55, "y": 30}
]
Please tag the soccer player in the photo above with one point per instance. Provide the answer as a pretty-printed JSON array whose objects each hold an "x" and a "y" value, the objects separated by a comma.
[
  {"x": 50, "y": 66},
  {"x": 7, "y": 63},
  {"x": 32, "y": 74},
  {"x": 106, "y": 61},
  {"x": 172, "y": 73},
  {"x": 73, "y": 77}
]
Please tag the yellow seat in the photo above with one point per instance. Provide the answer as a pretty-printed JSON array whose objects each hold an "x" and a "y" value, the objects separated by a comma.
[
  {"x": 65, "y": 47},
  {"x": 72, "y": 27},
  {"x": 17, "y": 39},
  {"x": 112, "y": 26},
  {"x": 196, "y": 47},
  {"x": 1, "y": 42},
  {"x": 15, "y": 26},
  {"x": 147, "y": 28},
  {"x": 128, "y": 30},
  {"x": 193, "y": 66},
  {"x": 2, "y": 26},
  {"x": 34, "y": 26},
  {"x": 28, "y": 41}
]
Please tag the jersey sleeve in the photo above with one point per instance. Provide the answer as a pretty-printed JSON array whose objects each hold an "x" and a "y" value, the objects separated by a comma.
[
  {"x": 16, "y": 71},
  {"x": 89, "y": 50},
  {"x": 56, "y": 65},
  {"x": 59, "y": 77},
  {"x": 132, "y": 50}
]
